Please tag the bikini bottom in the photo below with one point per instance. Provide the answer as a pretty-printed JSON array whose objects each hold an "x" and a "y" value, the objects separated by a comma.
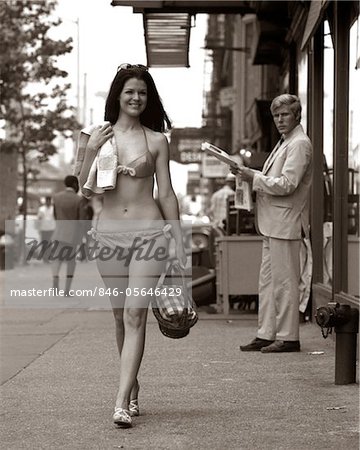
[
  {"x": 117, "y": 250},
  {"x": 129, "y": 239}
]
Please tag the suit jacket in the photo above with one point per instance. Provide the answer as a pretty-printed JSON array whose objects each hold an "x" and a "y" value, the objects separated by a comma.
[
  {"x": 283, "y": 188},
  {"x": 68, "y": 210}
]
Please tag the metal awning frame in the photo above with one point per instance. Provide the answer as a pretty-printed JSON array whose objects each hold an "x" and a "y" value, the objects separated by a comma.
[
  {"x": 167, "y": 39},
  {"x": 189, "y": 6}
]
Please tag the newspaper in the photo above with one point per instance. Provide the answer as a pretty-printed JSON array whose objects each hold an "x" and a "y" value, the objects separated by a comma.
[
  {"x": 243, "y": 199},
  {"x": 220, "y": 154}
]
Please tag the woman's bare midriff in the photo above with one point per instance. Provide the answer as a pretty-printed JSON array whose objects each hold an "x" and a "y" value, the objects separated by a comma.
[{"x": 131, "y": 200}]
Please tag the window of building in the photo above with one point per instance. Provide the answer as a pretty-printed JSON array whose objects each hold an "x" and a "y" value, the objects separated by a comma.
[
  {"x": 354, "y": 162},
  {"x": 303, "y": 87},
  {"x": 328, "y": 150}
]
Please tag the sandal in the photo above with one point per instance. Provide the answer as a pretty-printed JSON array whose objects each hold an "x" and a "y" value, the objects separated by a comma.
[
  {"x": 122, "y": 418},
  {"x": 134, "y": 403},
  {"x": 134, "y": 407}
]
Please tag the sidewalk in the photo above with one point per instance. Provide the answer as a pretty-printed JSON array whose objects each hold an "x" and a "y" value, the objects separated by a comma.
[{"x": 197, "y": 392}]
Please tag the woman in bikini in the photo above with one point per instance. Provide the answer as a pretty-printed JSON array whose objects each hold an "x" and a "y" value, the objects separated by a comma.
[{"x": 131, "y": 218}]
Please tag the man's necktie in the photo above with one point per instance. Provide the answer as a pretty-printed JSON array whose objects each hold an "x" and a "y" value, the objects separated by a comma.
[
  {"x": 278, "y": 145},
  {"x": 272, "y": 154}
]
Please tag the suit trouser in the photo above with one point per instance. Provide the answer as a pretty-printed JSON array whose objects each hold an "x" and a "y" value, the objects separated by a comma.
[{"x": 279, "y": 290}]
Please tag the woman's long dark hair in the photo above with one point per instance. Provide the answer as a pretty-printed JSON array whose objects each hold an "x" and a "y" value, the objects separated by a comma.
[{"x": 154, "y": 115}]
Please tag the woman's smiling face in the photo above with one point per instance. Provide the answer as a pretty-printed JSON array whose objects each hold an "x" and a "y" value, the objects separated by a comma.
[{"x": 133, "y": 97}]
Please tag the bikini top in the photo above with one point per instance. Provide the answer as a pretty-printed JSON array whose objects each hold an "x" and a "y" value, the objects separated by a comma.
[{"x": 141, "y": 167}]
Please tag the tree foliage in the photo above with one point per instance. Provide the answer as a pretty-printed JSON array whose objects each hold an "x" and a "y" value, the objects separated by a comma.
[{"x": 33, "y": 93}]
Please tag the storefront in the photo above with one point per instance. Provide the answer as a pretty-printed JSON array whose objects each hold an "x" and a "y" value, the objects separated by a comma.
[{"x": 333, "y": 92}]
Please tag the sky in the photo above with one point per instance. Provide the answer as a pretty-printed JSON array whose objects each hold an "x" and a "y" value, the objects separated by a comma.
[{"x": 110, "y": 36}]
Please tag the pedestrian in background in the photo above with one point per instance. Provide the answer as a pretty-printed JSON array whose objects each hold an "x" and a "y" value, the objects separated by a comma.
[
  {"x": 191, "y": 206},
  {"x": 123, "y": 155},
  {"x": 68, "y": 210},
  {"x": 45, "y": 223},
  {"x": 218, "y": 201},
  {"x": 282, "y": 190}
]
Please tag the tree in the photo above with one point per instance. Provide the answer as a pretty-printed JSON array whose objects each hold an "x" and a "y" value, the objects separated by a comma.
[{"x": 33, "y": 96}]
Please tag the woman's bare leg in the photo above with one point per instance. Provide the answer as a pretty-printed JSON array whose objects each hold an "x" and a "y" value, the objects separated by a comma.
[
  {"x": 131, "y": 355},
  {"x": 119, "y": 333},
  {"x": 142, "y": 275},
  {"x": 120, "y": 283}
]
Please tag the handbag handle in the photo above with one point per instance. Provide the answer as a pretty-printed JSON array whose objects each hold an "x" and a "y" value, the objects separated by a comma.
[{"x": 173, "y": 267}]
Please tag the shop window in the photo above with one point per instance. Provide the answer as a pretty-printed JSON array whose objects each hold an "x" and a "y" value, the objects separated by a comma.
[
  {"x": 354, "y": 162},
  {"x": 303, "y": 88},
  {"x": 354, "y": 131},
  {"x": 353, "y": 158},
  {"x": 328, "y": 151}
]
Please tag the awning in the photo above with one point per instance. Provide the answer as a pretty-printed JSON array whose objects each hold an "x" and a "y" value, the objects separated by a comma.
[
  {"x": 269, "y": 43},
  {"x": 316, "y": 11},
  {"x": 167, "y": 25},
  {"x": 189, "y": 6},
  {"x": 138, "y": 3},
  {"x": 271, "y": 27},
  {"x": 167, "y": 38}
]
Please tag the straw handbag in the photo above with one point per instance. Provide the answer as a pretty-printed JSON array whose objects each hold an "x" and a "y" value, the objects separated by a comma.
[{"x": 173, "y": 307}]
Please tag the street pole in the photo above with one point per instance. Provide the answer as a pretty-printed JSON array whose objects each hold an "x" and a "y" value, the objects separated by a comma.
[
  {"x": 84, "y": 100},
  {"x": 77, "y": 22}
]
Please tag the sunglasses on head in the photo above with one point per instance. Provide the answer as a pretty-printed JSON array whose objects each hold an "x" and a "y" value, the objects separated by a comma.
[{"x": 125, "y": 66}]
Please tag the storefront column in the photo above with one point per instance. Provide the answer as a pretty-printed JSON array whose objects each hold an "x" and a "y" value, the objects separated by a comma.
[{"x": 341, "y": 131}]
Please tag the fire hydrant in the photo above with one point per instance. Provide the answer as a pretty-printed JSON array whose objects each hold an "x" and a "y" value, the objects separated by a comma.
[{"x": 345, "y": 320}]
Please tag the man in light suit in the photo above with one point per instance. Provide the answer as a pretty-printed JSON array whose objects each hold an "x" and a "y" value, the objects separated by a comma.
[
  {"x": 68, "y": 209},
  {"x": 282, "y": 190}
]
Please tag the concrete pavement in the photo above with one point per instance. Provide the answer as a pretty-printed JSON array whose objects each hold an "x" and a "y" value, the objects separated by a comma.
[{"x": 59, "y": 370}]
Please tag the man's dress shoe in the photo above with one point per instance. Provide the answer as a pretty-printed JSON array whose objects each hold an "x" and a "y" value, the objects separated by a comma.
[
  {"x": 282, "y": 347},
  {"x": 256, "y": 345}
]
